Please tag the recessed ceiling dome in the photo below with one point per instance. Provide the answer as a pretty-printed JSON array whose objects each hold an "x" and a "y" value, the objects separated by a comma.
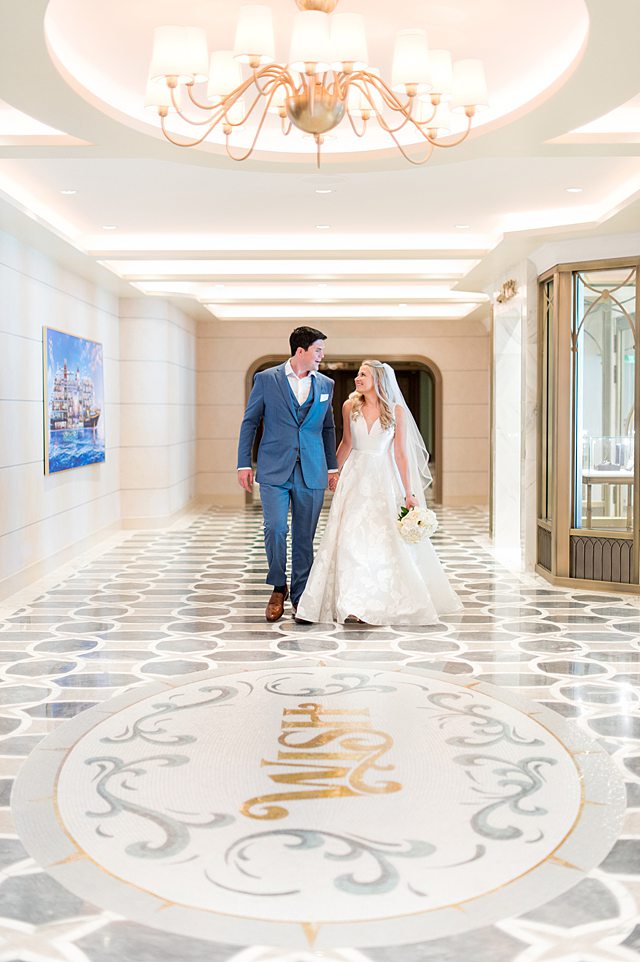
[{"x": 106, "y": 58}]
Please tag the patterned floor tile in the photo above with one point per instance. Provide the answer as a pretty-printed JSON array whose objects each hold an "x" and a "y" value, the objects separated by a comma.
[{"x": 159, "y": 605}]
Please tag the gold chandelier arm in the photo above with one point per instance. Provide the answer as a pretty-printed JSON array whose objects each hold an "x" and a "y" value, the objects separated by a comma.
[
  {"x": 454, "y": 143},
  {"x": 333, "y": 86},
  {"x": 425, "y": 123},
  {"x": 398, "y": 108},
  {"x": 185, "y": 143},
  {"x": 391, "y": 100},
  {"x": 383, "y": 123},
  {"x": 416, "y": 163},
  {"x": 358, "y": 133},
  {"x": 251, "y": 147},
  {"x": 224, "y": 104},
  {"x": 239, "y": 123},
  {"x": 194, "y": 123},
  {"x": 197, "y": 103},
  {"x": 274, "y": 74}
]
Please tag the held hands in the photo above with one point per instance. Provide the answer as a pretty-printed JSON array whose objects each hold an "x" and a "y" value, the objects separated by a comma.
[
  {"x": 410, "y": 501},
  {"x": 245, "y": 479},
  {"x": 333, "y": 481}
]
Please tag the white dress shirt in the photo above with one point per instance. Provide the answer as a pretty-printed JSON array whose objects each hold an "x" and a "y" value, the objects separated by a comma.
[{"x": 300, "y": 386}]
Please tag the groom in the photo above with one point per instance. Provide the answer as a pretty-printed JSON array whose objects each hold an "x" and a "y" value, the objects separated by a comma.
[{"x": 296, "y": 459}]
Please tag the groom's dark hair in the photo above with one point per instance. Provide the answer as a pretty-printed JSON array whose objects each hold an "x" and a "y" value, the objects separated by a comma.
[{"x": 304, "y": 337}]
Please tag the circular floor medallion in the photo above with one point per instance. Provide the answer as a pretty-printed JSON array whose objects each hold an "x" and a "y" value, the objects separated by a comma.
[{"x": 320, "y": 806}]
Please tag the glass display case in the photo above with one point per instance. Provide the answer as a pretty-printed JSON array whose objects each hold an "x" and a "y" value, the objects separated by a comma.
[
  {"x": 607, "y": 480},
  {"x": 588, "y": 477},
  {"x": 604, "y": 374}
]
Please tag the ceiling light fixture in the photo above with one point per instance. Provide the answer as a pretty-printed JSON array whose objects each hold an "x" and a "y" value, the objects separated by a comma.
[
  {"x": 324, "y": 190},
  {"x": 573, "y": 190},
  {"x": 327, "y": 78},
  {"x": 323, "y": 226},
  {"x": 68, "y": 192},
  {"x": 109, "y": 227}
]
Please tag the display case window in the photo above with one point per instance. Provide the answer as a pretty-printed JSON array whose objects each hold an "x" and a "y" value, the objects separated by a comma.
[
  {"x": 547, "y": 400},
  {"x": 604, "y": 375}
]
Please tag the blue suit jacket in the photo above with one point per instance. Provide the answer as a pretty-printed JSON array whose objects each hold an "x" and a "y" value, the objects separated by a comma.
[{"x": 285, "y": 440}]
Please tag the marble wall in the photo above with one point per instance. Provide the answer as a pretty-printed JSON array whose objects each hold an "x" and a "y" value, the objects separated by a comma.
[
  {"x": 42, "y": 516},
  {"x": 514, "y": 367},
  {"x": 149, "y": 349},
  {"x": 158, "y": 409},
  {"x": 507, "y": 429},
  {"x": 228, "y": 349}
]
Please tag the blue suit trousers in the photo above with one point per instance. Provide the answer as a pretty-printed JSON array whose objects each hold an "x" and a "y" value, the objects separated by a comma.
[{"x": 306, "y": 504}]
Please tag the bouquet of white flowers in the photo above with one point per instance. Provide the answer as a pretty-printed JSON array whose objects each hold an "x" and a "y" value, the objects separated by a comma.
[{"x": 416, "y": 524}]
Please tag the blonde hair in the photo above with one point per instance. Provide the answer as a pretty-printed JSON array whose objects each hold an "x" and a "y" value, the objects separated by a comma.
[{"x": 381, "y": 387}]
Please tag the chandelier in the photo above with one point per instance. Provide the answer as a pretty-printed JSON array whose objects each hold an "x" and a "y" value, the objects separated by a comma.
[{"x": 328, "y": 79}]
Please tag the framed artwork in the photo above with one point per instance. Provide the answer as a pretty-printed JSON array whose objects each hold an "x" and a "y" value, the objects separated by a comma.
[{"x": 73, "y": 401}]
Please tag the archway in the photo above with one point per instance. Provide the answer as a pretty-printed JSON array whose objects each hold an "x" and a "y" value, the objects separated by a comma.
[{"x": 420, "y": 381}]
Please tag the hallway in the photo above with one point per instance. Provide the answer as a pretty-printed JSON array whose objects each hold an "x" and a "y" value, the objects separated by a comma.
[{"x": 160, "y": 605}]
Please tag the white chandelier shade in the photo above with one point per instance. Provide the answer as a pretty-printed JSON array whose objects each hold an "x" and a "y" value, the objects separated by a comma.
[
  {"x": 310, "y": 50},
  {"x": 348, "y": 41},
  {"x": 255, "y": 41},
  {"x": 180, "y": 52},
  {"x": 225, "y": 74},
  {"x": 440, "y": 72},
  {"x": 158, "y": 94},
  {"x": 410, "y": 68},
  {"x": 468, "y": 85},
  {"x": 328, "y": 78}
]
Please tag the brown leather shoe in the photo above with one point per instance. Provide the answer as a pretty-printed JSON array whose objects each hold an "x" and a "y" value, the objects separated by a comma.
[{"x": 275, "y": 606}]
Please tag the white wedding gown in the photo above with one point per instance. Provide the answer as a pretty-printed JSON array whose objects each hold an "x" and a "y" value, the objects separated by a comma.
[{"x": 363, "y": 567}]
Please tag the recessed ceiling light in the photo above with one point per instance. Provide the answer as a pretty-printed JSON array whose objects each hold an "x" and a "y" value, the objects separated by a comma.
[
  {"x": 462, "y": 226},
  {"x": 68, "y": 191},
  {"x": 574, "y": 190},
  {"x": 324, "y": 190},
  {"x": 323, "y": 226},
  {"x": 109, "y": 227},
  {"x": 402, "y": 305}
]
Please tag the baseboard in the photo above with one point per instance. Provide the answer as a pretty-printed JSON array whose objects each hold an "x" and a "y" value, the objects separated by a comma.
[
  {"x": 40, "y": 569},
  {"x": 583, "y": 584},
  {"x": 163, "y": 521},
  {"x": 464, "y": 501},
  {"x": 222, "y": 500}
]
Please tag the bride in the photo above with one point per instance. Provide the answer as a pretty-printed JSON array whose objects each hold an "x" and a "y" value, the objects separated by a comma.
[{"x": 363, "y": 569}]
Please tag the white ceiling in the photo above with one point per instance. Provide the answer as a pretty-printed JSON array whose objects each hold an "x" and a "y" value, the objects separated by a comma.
[{"x": 187, "y": 221}]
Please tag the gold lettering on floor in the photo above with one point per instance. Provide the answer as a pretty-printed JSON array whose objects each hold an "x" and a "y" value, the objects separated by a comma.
[{"x": 334, "y": 762}]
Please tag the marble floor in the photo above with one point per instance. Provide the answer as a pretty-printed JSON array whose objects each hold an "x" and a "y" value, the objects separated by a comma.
[{"x": 171, "y": 619}]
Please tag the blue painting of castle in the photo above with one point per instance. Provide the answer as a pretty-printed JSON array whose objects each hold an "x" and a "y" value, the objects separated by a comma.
[{"x": 74, "y": 401}]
